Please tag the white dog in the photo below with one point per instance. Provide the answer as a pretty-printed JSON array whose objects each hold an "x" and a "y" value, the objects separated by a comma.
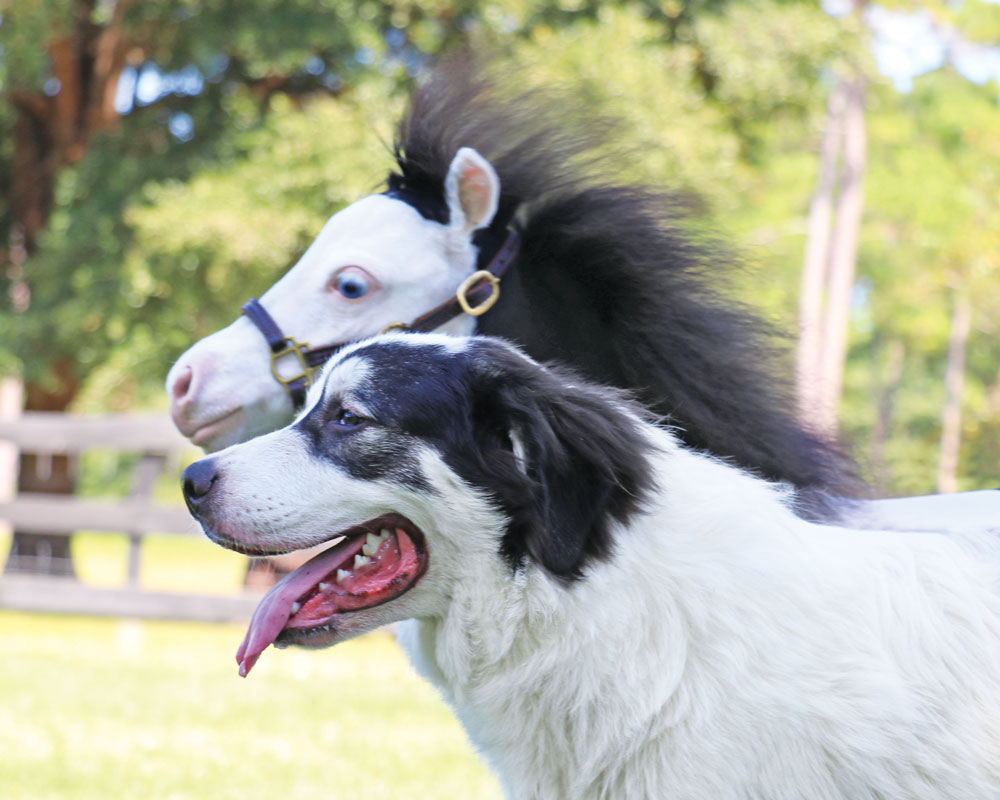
[{"x": 610, "y": 614}]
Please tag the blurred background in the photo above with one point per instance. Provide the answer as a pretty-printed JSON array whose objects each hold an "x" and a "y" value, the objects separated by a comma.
[{"x": 163, "y": 160}]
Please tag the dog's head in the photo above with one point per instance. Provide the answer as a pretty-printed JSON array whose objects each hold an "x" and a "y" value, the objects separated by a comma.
[{"x": 436, "y": 457}]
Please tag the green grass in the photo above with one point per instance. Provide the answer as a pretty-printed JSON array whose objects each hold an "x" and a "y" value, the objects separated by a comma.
[
  {"x": 169, "y": 563},
  {"x": 121, "y": 709},
  {"x": 99, "y": 708}
]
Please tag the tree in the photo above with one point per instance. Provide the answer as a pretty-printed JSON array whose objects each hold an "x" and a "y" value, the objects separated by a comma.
[
  {"x": 247, "y": 125},
  {"x": 72, "y": 162},
  {"x": 831, "y": 248},
  {"x": 930, "y": 236}
]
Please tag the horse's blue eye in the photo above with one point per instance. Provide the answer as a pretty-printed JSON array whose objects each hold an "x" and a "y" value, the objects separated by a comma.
[{"x": 351, "y": 285}]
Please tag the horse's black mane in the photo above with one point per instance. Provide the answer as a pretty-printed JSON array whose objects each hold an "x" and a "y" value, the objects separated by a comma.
[{"x": 609, "y": 280}]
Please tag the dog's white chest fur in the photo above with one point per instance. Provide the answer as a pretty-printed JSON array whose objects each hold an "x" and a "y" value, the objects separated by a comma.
[{"x": 730, "y": 650}]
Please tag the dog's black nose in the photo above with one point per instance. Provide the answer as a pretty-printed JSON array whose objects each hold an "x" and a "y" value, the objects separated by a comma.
[{"x": 198, "y": 480}]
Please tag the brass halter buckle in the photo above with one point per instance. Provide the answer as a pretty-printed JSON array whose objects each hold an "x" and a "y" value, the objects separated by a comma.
[
  {"x": 298, "y": 349},
  {"x": 468, "y": 283}
]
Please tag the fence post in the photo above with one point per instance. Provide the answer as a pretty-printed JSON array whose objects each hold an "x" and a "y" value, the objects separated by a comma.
[
  {"x": 11, "y": 400},
  {"x": 143, "y": 480}
]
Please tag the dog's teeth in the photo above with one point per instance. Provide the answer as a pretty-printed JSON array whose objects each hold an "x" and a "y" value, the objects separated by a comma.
[
  {"x": 325, "y": 587},
  {"x": 360, "y": 561},
  {"x": 342, "y": 574},
  {"x": 373, "y": 542},
  {"x": 296, "y": 607}
]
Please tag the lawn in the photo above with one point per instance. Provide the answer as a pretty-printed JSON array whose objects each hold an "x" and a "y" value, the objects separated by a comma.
[{"x": 104, "y": 708}]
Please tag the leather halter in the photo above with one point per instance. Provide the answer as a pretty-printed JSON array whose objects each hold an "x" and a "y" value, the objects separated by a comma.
[{"x": 474, "y": 296}]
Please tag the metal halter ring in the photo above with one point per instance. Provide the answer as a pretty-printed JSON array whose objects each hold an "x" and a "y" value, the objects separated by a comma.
[
  {"x": 468, "y": 283},
  {"x": 395, "y": 326},
  {"x": 298, "y": 349}
]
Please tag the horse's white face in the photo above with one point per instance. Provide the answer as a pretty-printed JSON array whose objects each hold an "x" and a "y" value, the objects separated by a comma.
[{"x": 376, "y": 262}]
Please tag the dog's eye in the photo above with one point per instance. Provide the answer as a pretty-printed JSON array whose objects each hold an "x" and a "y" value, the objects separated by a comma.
[{"x": 345, "y": 420}]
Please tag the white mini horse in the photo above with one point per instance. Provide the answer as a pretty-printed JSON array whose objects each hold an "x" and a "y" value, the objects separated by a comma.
[{"x": 604, "y": 281}]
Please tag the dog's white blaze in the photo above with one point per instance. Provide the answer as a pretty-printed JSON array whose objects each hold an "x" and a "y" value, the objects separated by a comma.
[
  {"x": 341, "y": 379},
  {"x": 338, "y": 373},
  {"x": 446, "y": 341}
]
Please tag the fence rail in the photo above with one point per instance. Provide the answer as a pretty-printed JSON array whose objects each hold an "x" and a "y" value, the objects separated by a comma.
[
  {"x": 67, "y": 596},
  {"x": 158, "y": 443},
  {"x": 65, "y": 515},
  {"x": 46, "y": 432}
]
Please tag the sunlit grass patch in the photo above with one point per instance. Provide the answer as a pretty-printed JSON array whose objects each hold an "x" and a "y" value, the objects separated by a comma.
[
  {"x": 167, "y": 563},
  {"x": 95, "y": 708}
]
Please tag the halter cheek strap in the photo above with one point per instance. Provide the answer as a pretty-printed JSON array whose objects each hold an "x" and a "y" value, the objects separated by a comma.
[
  {"x": 281, "y": 347},
  {"x": 474, "y": 296}
]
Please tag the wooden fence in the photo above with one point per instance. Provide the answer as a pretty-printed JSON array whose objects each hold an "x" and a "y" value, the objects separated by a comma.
[{"x": 157, "y": 443}]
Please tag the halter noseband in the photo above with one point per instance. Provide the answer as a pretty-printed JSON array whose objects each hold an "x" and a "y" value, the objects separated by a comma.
[{"x": 474, "y": 296}]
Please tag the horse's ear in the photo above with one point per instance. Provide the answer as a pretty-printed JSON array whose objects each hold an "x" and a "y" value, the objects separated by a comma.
[
  {"x": 472, "y": 190},
  {"x": 575, "y": 461}
]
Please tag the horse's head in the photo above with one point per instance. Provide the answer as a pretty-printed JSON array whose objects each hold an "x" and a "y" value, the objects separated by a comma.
[{"x": 378, "y": 261}]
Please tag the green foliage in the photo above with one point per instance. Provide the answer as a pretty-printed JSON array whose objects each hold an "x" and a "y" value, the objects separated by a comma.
[
  {"x": 932, "y": 228},
  {"x": 154, "y": 242},
  {"x": 977, "y": 20},
  {"x": 183, "y": 255},
  {"x": 231, "y": 229},
  {"x": 25, "y": 62}
]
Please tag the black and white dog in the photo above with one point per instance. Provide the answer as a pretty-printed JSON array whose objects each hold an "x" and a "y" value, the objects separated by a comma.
[{"x": 610, "y": 614}]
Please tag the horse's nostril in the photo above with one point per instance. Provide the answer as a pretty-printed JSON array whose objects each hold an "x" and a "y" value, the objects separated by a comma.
[
  {"x": 183, "y": 383},
  {"x": 197, "y": 481}
]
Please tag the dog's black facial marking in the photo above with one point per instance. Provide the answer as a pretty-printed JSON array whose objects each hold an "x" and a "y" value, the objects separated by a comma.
[
  {"x": 388, "y": 458},
  {"x": 579, "y": 461},
  {"x": 362, "y": 446}
]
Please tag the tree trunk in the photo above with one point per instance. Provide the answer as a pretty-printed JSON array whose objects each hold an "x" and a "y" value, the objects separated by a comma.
[
  {"x": 54, "y": 474},
  {"x": 11, "y": 403},
  {"x": 843, "y": 258},
  {"x": 48, "y": 134},
  {"x": 993, "y": 395},
  {"x": 951, "y": 415},
  {"x": 817, "y": 259},
  {"x": 886, "y": 408},
  {"x": 830, "y": 257}
]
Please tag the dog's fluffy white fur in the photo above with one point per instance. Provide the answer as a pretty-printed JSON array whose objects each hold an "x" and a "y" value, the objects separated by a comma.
[
  {"x": 729, "y": 650},
  {"x": 720, "y": 648}
]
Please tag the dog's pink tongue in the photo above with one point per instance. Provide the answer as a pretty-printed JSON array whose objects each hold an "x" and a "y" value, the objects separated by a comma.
[{"x": 273, "y": 611}]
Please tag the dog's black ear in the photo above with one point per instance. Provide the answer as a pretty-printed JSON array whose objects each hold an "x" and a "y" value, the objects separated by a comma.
[{"x": 564, "y": 458}]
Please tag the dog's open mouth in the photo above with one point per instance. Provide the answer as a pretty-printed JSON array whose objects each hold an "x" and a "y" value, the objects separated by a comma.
[{"x": 377, "y": 562}]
